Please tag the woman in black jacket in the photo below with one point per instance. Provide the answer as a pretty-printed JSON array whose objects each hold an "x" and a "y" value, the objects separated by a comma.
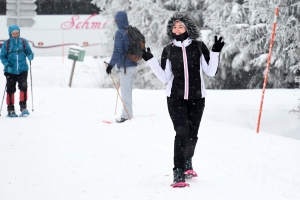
[{"x": 182, "y": 65}]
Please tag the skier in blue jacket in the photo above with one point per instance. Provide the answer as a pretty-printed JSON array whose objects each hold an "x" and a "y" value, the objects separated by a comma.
[
  {"x": 125, "y": 67},
  {"x": 13, "y": 56}
]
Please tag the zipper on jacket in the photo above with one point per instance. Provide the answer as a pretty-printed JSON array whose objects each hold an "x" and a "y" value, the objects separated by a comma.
[
  {"x": 17, "y": 62},
  {"x": 186, "y": 73}
]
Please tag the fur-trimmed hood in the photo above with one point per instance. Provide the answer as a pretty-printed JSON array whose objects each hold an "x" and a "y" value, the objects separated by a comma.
[{"x": 189, "y": 23}]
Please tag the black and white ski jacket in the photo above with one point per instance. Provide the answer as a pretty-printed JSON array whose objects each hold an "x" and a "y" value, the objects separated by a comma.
[{"x": 183, "y": 70}]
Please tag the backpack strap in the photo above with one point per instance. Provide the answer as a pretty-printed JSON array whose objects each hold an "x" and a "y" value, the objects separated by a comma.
[
  {"x": 126, "y": 31},
  {"x": 24, "y": 44},
  {"x": 168, "y": 49},
  {"x": 8, "y": 42},
  {"x": 199, "y": 45}
]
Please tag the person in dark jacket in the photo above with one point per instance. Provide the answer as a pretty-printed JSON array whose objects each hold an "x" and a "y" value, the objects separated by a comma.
[
  {"x": 13, "y": 56},
  {"x": 182, "y": 65},
  {"x": 126, "y": 68}
]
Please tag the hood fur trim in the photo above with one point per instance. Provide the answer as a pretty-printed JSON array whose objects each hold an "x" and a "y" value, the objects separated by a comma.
[{"x": 189, "y": 23}]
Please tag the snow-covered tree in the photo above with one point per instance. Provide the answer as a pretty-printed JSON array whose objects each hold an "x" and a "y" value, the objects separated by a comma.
[
  {"x": 226, "y": 19},
  {"x": 194, "y": 7},
  {"x": 146, "y": 15},
  {"x": 151, "y": 19},
  {"x": 244, "y": 24},
  {"x": 246, "y": 27},
  {"x": 289, "y": 37}
]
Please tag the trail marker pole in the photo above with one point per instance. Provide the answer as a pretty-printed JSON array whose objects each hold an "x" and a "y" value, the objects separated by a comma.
[{"x": 267, "y": 69}]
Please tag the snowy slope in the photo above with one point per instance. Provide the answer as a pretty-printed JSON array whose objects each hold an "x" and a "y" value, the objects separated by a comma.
[{"x": 64, "y": 150}]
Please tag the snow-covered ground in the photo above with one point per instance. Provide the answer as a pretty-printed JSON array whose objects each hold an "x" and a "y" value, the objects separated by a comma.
[{"x": 65, "y": 150}]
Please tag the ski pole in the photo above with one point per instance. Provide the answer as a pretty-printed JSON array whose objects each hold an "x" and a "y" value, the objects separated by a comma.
[
  {"x": 120, "y": 96},
  {"x": 31, "y": 85},
  {"x": 2, "y": 100},
  {"x": 118, "y": 92},
  {"x": 117, "y": 98}
]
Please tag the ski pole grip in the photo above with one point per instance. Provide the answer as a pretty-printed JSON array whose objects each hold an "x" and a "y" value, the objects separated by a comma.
[{"x": 106, "y": 63}]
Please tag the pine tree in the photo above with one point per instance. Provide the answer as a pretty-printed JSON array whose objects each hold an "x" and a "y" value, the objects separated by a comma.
[
  {"x": 288, "y": 37},
  {"x": 228, "y": 19},
  {"x": 151, "y": 20},
  {"x": 246, "y": 28},
  {"x": 63, "y": 7},
  {"x": 193, "y": 7},
  {"x": 146, "y": 15}
]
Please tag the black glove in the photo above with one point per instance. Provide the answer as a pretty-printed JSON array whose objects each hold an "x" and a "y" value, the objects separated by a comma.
[
  {"x": 147, "y": 55},
  {"x": 218, "y": 45},
  {"x": 108, "y": 68}
]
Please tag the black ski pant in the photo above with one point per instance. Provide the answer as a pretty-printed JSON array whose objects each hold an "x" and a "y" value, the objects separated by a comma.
[
  {"x": 186, "y": 117},
  {"x": 11, "y": 81}
]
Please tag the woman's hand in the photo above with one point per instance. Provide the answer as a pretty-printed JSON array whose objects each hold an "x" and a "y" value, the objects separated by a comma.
[
  {"x": 147, "y": 55},
  {"x": 218, "y": 45}
]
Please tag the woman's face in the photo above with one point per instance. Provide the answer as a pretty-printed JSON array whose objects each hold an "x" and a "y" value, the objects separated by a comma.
[
  {"x": 178, "y": 28},
  {"x": 15, "y": 34}
]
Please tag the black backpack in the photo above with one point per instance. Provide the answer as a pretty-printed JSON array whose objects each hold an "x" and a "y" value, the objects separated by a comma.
[{"x": 136, "y": 44}]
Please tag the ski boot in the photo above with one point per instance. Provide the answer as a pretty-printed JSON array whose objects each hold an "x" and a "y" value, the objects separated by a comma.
[
  {"x": 12, "y": 113},
  {"x": 179, "y": 179},
  {"x": 11, "y": 110},
  {"x": 24, "y": 112},
  {"x": 121, "y": 120},
  {"x": 189, "y": 172}
]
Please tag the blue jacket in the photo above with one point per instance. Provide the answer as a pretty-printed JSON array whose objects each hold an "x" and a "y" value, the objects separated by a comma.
[
  {"x": 121, "y": 42},
  {"x": 14, "y": 60}
]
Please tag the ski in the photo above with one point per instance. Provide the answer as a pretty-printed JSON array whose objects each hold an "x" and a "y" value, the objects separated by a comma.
[
  {"x": 189, "y": 174},
  {"x": 121, "y": 120},
  {"x": 12, "y": 115},
  {"x": 180, "y": 185},
  {"x": 24, "y": 113}
]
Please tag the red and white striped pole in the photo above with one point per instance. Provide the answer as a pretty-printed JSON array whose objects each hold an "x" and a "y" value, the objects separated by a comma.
[{"x": 267, "y": 69}]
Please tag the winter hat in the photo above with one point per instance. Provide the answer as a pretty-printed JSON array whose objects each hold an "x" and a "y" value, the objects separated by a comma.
[
  {"x": 13, "y": 28},
  {"x": 187, "y": 21},
  {"x": 121, "y": 20}
]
